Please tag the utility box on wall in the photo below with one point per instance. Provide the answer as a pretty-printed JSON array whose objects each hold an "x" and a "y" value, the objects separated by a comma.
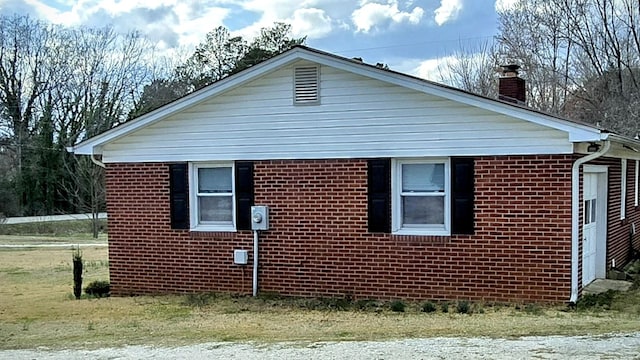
[
  {"x": 240, "y": 257},
  {"x": 259, "y": 218}
]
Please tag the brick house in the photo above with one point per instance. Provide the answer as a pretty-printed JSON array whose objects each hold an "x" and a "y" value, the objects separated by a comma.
[{"x": 379, "y": 185}]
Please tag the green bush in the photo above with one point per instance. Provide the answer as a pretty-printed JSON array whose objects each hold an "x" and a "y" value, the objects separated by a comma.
[
  {"x": 533, "y": 309},
  {"x": 463, "y": 307},
  {"x": 398, "y": 306},
  {"x": 445, "y": 307},
  {"x": 98, "y": 288},
  {"x": 429, "y": 307},
  {"x": 601, "y": 301}
]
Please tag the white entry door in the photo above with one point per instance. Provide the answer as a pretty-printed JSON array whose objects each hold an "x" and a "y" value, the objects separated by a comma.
[{"x": 589, "y": 227}]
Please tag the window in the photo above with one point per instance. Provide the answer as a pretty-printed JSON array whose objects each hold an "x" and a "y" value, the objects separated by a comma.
[
  {"x": 212, "y": 197},
  {"x": 421, "y": 203},
  {"x": 589, "y": 211}
]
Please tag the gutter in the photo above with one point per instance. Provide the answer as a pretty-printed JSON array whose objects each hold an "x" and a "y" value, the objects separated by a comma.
[
  {"x": 575, "y": 219},
  {"x": 71, "y": 149}
]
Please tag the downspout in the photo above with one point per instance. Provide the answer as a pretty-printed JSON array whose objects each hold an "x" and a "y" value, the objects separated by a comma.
[
  {"x": 575, "y": 218},
  {"x": 255, "y": 263},
  {"x": 93, "y": 158},
  {"x": 96, "y": 161}
]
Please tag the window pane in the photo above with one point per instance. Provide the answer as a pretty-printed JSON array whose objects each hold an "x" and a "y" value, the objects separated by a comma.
[
  {"x": 423, "y": 210},
  {"x": 593, "y": 210},
  {"x": 422, "y": 177},
  {"x": 587, "y": 211},
  {"x": 215, "y": 208},
  {"x": 214, "y": 180}
]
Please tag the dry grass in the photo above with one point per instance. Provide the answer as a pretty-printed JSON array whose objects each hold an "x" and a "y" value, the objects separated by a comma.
[{"x": 37, "y": 309}]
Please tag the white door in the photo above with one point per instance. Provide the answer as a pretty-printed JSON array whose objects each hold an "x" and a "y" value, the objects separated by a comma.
[{"x": 589, "y": 227}]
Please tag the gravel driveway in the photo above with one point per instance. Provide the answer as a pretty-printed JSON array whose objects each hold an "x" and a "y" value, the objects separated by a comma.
[{"x": 614, "y": 346}]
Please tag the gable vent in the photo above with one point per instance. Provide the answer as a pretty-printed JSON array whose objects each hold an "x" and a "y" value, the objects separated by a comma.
[{"x": 306, "y": 85}]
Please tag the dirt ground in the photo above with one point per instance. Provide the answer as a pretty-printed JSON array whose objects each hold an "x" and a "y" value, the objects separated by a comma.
[{"x": 612, "y": 346}]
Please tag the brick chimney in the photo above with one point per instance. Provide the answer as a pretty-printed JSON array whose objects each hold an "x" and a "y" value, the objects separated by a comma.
[{"x": 511, "y": 87}]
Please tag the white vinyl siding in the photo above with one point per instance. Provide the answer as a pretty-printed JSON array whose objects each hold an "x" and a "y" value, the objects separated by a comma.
[{"x": 358, "y": 117}]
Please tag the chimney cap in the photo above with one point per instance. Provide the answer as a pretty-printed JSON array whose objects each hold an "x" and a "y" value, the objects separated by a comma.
[{"x": 510, "y": 69}]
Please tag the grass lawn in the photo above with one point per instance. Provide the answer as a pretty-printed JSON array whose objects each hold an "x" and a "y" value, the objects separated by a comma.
[{"x": 37, "y": 309}]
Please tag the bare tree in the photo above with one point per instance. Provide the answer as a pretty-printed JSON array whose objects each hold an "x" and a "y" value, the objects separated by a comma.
[
  {"x": 472, "y": 69},
  {"x": 606, "y": 62},
  {"x": 25, "y": 75},
  {"x": 581, "y": 58},
  {"x": 58, "y": 86},
  {"x": 106, "y": 76},
  {"x": 87, "y": 192}
]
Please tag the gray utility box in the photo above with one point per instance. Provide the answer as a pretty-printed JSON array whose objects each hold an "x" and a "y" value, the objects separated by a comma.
[
  {"x": 259, "y": 218},
  {"x": 240, "y": 257}
]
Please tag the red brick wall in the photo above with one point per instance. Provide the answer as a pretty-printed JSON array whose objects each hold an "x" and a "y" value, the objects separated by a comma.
[{"x": 318, "y": 244}]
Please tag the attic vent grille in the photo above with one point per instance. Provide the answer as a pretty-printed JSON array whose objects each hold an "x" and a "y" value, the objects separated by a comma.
[{"x": 306, "y": 85}]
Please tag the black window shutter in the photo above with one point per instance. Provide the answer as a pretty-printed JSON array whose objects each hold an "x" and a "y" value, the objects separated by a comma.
[
  {"x": 244, "y": 194},
  {"x": 179, "y": 195},
  {"x": 462, "y": 175},
  {"x": 379, "y": 195}
]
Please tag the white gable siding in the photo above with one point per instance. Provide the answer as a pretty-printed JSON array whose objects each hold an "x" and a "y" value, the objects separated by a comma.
[{"x": 357, "y": 117}]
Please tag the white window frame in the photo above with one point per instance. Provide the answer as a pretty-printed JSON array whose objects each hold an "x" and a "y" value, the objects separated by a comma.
[
  {"x": 396, "y": 203},
  {"x": 194, "y": 207}
]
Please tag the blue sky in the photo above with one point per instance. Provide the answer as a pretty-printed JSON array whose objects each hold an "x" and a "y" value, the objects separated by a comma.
[{"x": 408, "y": 35}]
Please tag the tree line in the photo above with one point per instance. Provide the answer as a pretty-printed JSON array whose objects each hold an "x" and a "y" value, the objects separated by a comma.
[
  {"x": 60, "y": 85},
  {"x": 580, "y": 58}
]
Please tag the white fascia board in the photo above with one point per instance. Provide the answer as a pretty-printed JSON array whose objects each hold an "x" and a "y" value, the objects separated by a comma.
[{"x": 94, "y": 145}]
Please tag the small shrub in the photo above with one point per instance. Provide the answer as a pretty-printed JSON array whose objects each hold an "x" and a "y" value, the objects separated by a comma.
[
  {"x": 398, "y": 306},
  {"x": 429, "y": 307},
  {"x": 367, "y": 304},
  {"x": 77, "y": 272},
  {"x": 463, "y": 307},
  {"x": 533, "y": 309},
  {"x": 444, "y": 307},
  {"x": 597, "y": 301},
  {"x": 332, "y": 303},
  {"x": 98, "y": 288}
]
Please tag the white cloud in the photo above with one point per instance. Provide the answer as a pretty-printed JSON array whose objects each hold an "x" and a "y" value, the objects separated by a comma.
[
  {"x": 313, "y": 23},
  {"x": 373, "y": 15},
  {"x": 170, "y": 23},
  {"x": 448, "y": 11},
  {"x": 435, "y": 69}
]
